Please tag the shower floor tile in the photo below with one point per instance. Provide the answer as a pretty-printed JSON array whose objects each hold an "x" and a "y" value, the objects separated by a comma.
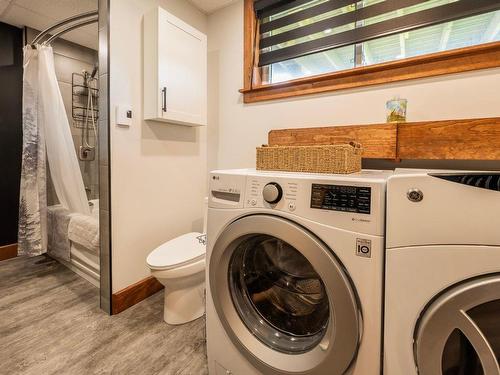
[{"x": 50, "y": 323}]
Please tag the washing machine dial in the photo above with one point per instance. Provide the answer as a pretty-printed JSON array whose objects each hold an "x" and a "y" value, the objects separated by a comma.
[{"x": 272, "y": 193}]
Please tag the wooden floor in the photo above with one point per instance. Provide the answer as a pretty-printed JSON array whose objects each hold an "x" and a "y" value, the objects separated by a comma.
[{"x": 50, "y": 323}]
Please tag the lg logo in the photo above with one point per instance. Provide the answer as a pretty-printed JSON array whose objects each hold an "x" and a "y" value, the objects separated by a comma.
[{"x": 363, "y": 248}]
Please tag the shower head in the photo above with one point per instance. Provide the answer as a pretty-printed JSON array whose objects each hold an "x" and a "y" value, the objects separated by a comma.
[{"x": 94, "y": 71}]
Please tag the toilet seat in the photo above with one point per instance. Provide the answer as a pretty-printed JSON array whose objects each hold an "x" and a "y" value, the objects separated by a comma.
[
  {"x": 179, "y": 272},
  {"x": 180, "y": 251}
]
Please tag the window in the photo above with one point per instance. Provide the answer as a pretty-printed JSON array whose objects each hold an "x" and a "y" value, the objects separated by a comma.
[{"x": 343, "y": 43}]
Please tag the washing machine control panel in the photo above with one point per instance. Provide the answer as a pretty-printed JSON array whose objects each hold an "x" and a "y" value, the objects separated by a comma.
[
  {"x": 352, "y": 202},
  {"x": 288, "y": 195},
  {"x": 356, "y": 199}
]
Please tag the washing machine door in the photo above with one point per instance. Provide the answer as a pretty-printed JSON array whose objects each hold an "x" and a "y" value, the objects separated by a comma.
[
  {"x": 459, "y": 332},
  {"x": 283, "y": 298}
]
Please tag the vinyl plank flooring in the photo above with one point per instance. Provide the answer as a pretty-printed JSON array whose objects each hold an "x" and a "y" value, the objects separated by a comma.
[{"x": 50, "y": 323}]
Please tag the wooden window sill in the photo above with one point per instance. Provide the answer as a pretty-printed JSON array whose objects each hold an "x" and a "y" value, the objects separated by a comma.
[{"x": 482, "y": 56}]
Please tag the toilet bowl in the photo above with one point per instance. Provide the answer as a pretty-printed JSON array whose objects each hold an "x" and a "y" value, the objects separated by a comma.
[{"x": 179, "y": 265}]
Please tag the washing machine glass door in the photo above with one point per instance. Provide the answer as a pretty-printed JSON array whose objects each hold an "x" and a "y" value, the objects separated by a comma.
[
  {"x": 278, "y": 294},
  {"x": 459, "y": 332},
  {"x": 283, "y": 297}
]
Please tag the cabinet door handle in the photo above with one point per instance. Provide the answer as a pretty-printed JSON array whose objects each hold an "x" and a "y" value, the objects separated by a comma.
[{"x": 164, "y": 99}]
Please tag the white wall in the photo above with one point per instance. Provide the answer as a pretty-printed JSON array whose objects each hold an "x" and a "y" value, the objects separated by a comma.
[
  {"x": 157, "y": 170},
  {"x": 236, "y": 129}
]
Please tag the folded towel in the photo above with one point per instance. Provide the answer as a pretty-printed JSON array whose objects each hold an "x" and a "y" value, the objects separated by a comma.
[
  {"x": 84, "y": 230},
  {"x": 58, "y": 244}
]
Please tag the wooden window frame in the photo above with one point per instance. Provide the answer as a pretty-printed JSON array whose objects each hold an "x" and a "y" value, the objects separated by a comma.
[{"x": 477, "y": 57}]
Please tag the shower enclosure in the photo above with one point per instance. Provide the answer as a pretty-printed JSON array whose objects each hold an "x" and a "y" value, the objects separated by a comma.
[{"x": 59, "y": 197}]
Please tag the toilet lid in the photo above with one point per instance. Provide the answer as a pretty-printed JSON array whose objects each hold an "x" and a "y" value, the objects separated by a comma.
[{"x": 179, "y": 251}]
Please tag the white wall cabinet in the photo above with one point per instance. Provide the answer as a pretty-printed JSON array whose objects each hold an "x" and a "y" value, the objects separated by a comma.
[{"x": 175, "y": 70}]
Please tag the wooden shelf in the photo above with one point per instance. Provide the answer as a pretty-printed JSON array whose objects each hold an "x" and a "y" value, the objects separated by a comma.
[
  {"x": 378, "y": 140},
  {"x": 468, "y": 139}
]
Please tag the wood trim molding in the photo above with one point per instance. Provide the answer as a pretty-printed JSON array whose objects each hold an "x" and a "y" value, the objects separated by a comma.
[
  {"x": 134, "y": 294},
  {"x": 248, "y": 49},
  {"x": 466, "y": 139},
  {"x": 8, "y": 251},
  {"x": 482, "y": 56}
]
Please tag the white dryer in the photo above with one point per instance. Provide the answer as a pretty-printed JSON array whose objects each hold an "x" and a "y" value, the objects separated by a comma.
[
  {"x": 295, "y": 273},
  {"x": 442, "y": 310}
]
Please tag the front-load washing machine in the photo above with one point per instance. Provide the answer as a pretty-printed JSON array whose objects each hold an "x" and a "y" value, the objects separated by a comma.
[
  {"x": 442, "y": 310},
  {"x": 295, "y": 272}
]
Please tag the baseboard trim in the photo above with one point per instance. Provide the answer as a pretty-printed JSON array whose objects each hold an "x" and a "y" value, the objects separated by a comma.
[
  {"x": 135, "y": 293},
  {"x": 8, "y": 251}
]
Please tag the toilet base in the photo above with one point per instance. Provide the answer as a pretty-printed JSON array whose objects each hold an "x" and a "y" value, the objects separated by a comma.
[{"x": 184, "y": 305}]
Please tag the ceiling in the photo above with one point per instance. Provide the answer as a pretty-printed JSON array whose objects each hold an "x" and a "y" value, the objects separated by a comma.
[
  {"x": 209, "y": 6},
  {"x": 41, "y": 14}
]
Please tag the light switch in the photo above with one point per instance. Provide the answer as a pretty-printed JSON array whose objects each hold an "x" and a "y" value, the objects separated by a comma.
[{"x": 124, "y": 115}]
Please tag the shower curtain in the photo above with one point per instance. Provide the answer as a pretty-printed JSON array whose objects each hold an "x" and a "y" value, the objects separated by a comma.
[{"x": 46, "y": 137}]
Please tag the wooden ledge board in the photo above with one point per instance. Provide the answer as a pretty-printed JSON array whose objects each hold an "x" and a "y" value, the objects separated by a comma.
[
  {"x": 474, "y": 139},
  {"x": 379, "y": 141},
  {"x": 467, "y": 139}
]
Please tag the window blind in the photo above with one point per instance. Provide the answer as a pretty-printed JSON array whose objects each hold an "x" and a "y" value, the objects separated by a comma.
[{"x": 293, "y": 28}]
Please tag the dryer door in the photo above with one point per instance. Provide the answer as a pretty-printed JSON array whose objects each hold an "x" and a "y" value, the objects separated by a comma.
[
  {"x": 283, "y": 298},
  {"x": 459, "y": 332}
]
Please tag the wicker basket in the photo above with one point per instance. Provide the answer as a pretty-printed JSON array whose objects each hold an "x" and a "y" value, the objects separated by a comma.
[{"x": 341, "y": 158}]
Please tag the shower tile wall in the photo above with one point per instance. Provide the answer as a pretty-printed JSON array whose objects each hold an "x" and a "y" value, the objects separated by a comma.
[{"x": 72, "y": 58}]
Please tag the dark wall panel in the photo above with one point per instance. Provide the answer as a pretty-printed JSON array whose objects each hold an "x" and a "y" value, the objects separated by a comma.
[{"x": 11, "y": 75}]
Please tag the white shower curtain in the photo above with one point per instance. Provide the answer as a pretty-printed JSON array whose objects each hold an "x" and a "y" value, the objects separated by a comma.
[{"x": 46, "y": 131}]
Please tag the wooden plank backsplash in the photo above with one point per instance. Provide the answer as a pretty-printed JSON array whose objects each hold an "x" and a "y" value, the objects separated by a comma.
[{"x": 468, "y": 139}]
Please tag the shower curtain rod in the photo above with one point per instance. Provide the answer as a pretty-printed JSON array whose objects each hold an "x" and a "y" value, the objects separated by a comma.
[
  {"x": 80, "y": 24},
  {"x": 85, "y": 19}
]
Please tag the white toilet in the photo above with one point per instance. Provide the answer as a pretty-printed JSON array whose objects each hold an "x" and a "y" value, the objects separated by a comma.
[{"x": 179, "y": 265}]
